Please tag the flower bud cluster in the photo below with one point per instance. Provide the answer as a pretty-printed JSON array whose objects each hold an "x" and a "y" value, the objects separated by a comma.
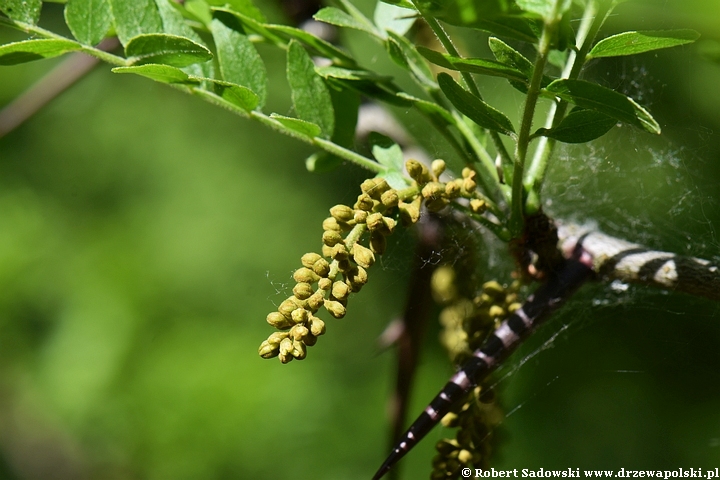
[
  {"x": 327, "y": 279},
  {"x": 466, "y": 323},
  {"x": 436, "y": 194}
]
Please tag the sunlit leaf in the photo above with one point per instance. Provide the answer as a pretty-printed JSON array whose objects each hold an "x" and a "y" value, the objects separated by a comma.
[
  {"x": 302, "y": 127},
  {"x": 245, "y": 7},
  {"x": 175, "y": 24},
  {"x": 386, "y": 151},
  {"x": 238, "y": 60},
  {"x": 30, "y": 50},
  {"x": 631, "y": 43},
  {"x": 350, "y": 74},
  {"x": 135, "y": 17},
  {"x": 88, "y": 20},
  {"x": 166, "y": 49},
  {"x": 473, "y": 65},
  {"x": 406, "y": 55},
  {"x": 393, "y": 18},
  {"x": 544, "y": 8},
  {"x": 326, "y": 49},
  {"x": 310, "y": 96},
  {"x": 604, "y": 100},
  {"x": 157, "y": 72},
  {"x": 474, "y": 108},
  {"x": 580, "y": 126},
  {"x": 27, "y": 11},
  {"x": 335, "y": 16}
]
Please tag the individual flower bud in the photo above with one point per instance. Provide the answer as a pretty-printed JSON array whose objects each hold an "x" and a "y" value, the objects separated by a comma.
[
  {"x": 478, "y": 206},
  {"x": 374, "y": 222},
  {"x": 447, "y": 446},
  {"x": 496, "y": 311},
  {"x": 417, "y": 171},
  {"x": 364, "y": 202},
  {"x": 317, "y": 299},
  {"x": 310, "y": 340},
  {"x": 317, "y": 326},
  {"x": 309, "y": 259},
  {"x": 358, "y": 276},
  {"x": 340, "y": 290},
  {"x": 410, "y": 212},
  {"x": 327, "y": 251},
  {"x": 286, "y": 346},
  {"x": 321, "y": 267},
  {"x": 331, "y": 224},
  {"x": 305, "y": 275},
  {"x": 299, "y": 315},
  {"x": 277, "y": 337},
  {"x": 450, "y": 420},
  {"x": 324, "y": 284},
  {"x": 363, "y": 256},
  {"x": 285, "y": 358},
  {"x": 468, "y": 172},
  {"x": 443, "y": 284},
  {"x": 390, "y": 198},
  {"x": 494, "y": 289},
  {"x": 433, "y": 190},
  {"x": 437, "y": 167},
  {"x": 452, "y": 189},
  {"x": 339, "y": 252},
  {"x": 342, "y": 213},
  {"x": 360, "y": 216},
  {"x": 464, "y": 456},
  {"x": 378, "y": 244},
  {"x": 303, "y": 290},
  {"x": 368, "y": 185},
  {"x": 278, "y": 320},
  {"x": 267, "y": 350},
  {"x": 390, "y": 225},
  {"x": 335, "y": 308},
  {"x": 299, "y": 350},
  {"x": 286, "y": 308},
  {"x": 514, "y": 307},
  {"x": 469, "y": 185},
  {"x": 298, "y": 332},
  {"x": 331, "y": 238}
]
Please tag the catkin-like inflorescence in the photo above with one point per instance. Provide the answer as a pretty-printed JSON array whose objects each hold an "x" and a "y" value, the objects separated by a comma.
[{"x": 353, "y": 237}]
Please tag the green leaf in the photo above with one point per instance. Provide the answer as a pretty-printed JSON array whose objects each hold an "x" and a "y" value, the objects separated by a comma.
[
  {"x": 320, "y": 162},
  {"x": 175, "y": 24},
  {"x": 604, "y": 100},
  {"x": 350, "y": 74},
  {"x": 165, "y": 49},
  {"x": 244, "y": 7},
  {"x": 320, "y": 46},
  {"x": 27, "y": 11},
  {"x": 401, "y": 3},
  {"x": 435, "y": 112},
  {"x": 386, "y": 151},
  {"x": 406, "y": 55},
  {"x": 394, "y": 19},
  {"x": 157, "y": 72},
  {"x": 335, "y": 16},
  {"x": 580, "y": 126},
  {"x": 473, "y": 65},
  {"x": 238, "y": 95},
  {"x": 544, "y": 8},
  {"x": 474, "y": 108},
  {"x": 507, "y": 55},
  {"x": 88, "y": 20},
  {"x": 310, "y": 96},
  {"x": 249, "y": 25},
  {"x": 30, "y": 50},
  {"x": 239, "y": 61},
  {"x": 199, "y": 9},
  {"x": 631, "y": 43},
  {"x": 302, "y": 127},
  {"x": 135, "y": 17}
]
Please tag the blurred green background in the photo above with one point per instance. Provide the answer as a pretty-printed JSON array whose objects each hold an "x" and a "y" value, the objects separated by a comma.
[{"x": 144, "y": 236}]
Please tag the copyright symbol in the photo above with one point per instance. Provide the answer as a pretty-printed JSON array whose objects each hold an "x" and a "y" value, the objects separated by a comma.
[{"x": 466, "y": 472}]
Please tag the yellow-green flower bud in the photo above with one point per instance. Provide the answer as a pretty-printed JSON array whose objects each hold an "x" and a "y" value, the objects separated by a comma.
[
  {"x": 410, "y": 212},
  {"x": 339, "y": 252},
  {"x": 452, "y": 189},
  {"x": 298, "y": 332},
  {"x": 309, "y": 259},
  {"x": 358, "y": 276},
  {"x": 305, "y": 275},
  {"x": 327, "y": 251},
  {"x": 340, "y": 290},
  {"x": 443, "y": 284},
  {"x": 450, "y": 420},
  {"x": 299, "y": 350},
  {"x": 267, "y": 350},
  {"x": 496, "y": 311},
  {"x": 494, "y": 289},
  {"x": 360, "y": 216},
  {"x": 437, "y": 167},
  {"x": 286, "y": 308},
  {"x": 417, "y": 171},
  {"x": 374, "y": 222},
  {"x": 303, "y": 290},
  {"x": 478, "y": 206},
  {"x": 433, "y": 190},
  {"x": 390, "y": 224},
  {"x": 278, "y": 320},
  {"x": 447, "y": 446},
  {"x": 363, "y": 256},
  {"x": 299, "y": 315},
  {"x": 317, "y": 299},
  {"x": 331, "y": 224},
  {"x": 285, "y": 358},
  {"x": 378, "y": 244},
  {"x": 331, "y": 238},
  {"x": 277, "y": 337},
  {"x": 286, "y": 346},
  {"x": 468, "y": 172},
  {"x": 321, "y": 267},
  {"x": 324, "y": 284},
  {"x": 469, "y": 185},
  {"x": 342, "y": 213},
  {"x": 335, "y": 308},
  {"x": 317, "y": 326},
  {"x": 513, "y": 307},
  {"x": 390, "y": 198},
  {"x": 464, "y": 456},
  {"x": 364, "y": 202}
]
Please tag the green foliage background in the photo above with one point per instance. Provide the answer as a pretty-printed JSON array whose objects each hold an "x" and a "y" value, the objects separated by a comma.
[{"x": 144, "y": 236}]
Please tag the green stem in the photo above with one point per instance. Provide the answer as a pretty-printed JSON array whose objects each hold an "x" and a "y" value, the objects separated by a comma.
[
  {"x": 593, "y": 18},
  {"x": 34, "y": 29},
  {"x": 326, "y": 145},
  {"x": 523, "y": 141}
]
